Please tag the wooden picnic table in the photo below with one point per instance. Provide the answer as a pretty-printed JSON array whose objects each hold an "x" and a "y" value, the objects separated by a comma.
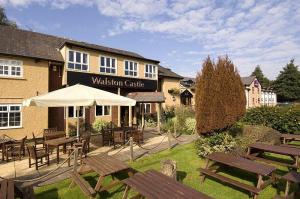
[
  {"x": 256, "y": 149},
  {"x": 56, "y": 143},
  {"x": 106, "y": 165},
  {"x": 7, "y": 190},
  {"x": 289, "y": 137},
  {"x": 154, "y": 185},
  {"x": 235, "y": 161}
]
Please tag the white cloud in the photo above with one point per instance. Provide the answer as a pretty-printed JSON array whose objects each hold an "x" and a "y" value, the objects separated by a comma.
[{"x": 250, "y": 32}]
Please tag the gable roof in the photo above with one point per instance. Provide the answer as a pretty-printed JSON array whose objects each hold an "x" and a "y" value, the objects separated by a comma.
[
  {"x": 248, "y": 80},
  {"x": 25, "y": 43},
  {"x": 186, "y": 79},
  {"x": 166, "y": 72}
]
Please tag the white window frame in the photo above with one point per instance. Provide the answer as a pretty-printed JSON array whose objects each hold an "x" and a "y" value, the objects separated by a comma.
[
  {"x": 102, "y": 111},
  {"x": 137, "y": 68},
  {"x": 8, "y": 112},
  {"x": 116, "y": 65},
  {"x": 153, "y": 73},
  {"x": 10, "y": 63},
  {"x": 144, "y": 106},
  {"x": 81, "y": 58},
  {"x": 74, "y": 112}
]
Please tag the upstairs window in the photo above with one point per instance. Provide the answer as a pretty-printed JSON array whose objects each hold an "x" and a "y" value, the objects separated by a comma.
[
  {"x": 11, "y": 68},
  {"x": 102, "y": 110},
  {"x": 108, "y": 65},
  {"x": 10, "y": 116},
  {"x": 131, "y": 68},
  {"x": 78, "y": 60},
  {"x": 150, "y": 71}
]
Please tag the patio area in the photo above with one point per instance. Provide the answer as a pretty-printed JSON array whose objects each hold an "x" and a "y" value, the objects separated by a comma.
[{"x": 20, "y": 169}]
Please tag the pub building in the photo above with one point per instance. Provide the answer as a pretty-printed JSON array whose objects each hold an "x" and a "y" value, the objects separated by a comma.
[{"x": 33, "y": 64}]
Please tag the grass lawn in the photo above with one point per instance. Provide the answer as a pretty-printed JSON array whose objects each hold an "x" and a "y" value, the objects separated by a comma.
[{"x": 188, "y": 163}]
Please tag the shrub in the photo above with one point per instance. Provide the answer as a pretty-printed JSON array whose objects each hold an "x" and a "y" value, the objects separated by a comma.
[
  {"x": 218, "y": 142},
  {"x": 220, "y": 96},
  {"x": 283, "y": 119},
  {"x": 256, "y": 133},
  {"x": 167, "y": 126},
  {"x": 168, "y": 113},
  {"x": 190, "y": 125},
  {"x": 99, "y": 124},
  {"x": 182, "y": 113}
]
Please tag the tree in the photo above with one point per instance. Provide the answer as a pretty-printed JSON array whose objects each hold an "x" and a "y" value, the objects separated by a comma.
[
  {"x": 4, "y": 20},
  {"x": 265, "y": 82},
  {"x": 287, "y": 84},
  {"x": 220, "y": 96}
]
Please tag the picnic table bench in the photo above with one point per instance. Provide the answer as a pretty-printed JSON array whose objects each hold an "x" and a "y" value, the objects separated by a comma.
[
  {"x": 154, "y": 185},
  {"x": 7, "y": 189},
  {"x": 56, "y": 143},
  {"x": 104, "y": 165},
  {"x": 235, "y": 161},
  {"x": 289, "y": 137},
  {"x": 257, "y": 149}
]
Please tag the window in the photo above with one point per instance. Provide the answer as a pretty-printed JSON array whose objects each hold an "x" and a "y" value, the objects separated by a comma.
[
  {"x": 102, "y": 110},
  {"x": 73, "y": 112},
  {"x": 108, "y": 65},
  {"x": 10, "y": 116},
  {"x": 11, "y": 68},
  {"x": 150, "y": 71},
  {"x": 77, "y": 60},
  {"x": 131, "y": 68},
  {"x": 147, "y": 108}
]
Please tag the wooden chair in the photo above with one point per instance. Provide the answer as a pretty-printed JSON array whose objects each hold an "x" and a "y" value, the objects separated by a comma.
[
  {"x": 138, "y": 135},
  {"x": 17, "y": 148},
  {"x": 118, "y": 134},
  {"x": 38, "y": 141},
  {"x": 54, "y": 135},
  {"x": 82, "y": 147},
  {"x": 107, "y": 138},
  {"x": 37, "y": 156}
]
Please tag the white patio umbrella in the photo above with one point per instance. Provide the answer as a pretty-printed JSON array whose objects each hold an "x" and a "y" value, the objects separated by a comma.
[{"x": 78, "y": 95}]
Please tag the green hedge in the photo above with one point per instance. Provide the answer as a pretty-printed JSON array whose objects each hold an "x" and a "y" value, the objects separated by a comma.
[{"x": 282, "y": 119}]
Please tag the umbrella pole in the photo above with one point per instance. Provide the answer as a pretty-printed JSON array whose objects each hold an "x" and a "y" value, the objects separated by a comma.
[{"x": 77, "y": 112}]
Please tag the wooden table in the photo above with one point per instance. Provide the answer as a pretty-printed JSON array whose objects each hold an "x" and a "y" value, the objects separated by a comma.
[
  {"x": 105, "y": 165},
  {"x": 235, "y": 161},
  {"x": 254, "y": 150},
  {"x": 7, "y": 190},
  {"x": 3, "y": 142},
  {"x": 154, "y": 185},
  {"x": 291, "y": 177},
  {"x": 56, "y": 143},
  {"x": 289, "y": 137}
]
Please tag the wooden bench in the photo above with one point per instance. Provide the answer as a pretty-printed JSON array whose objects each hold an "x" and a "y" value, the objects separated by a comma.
[
  {"x": 7, "y": 190},
  {"x": 235, "y": 161},
  {"x": 235, "y": 183},
  {"x": 83, "y": 185},
  {"x": 250, "y": 157}
]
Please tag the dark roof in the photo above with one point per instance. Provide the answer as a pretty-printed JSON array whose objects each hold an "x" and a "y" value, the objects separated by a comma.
[
  {"x": 186, "y": 79},
  {"x": 147, "y": 96},
  {"x": 248, "y": 80},
  {"x": 29, "y": 44},
  {"x": 166, "y": 72},
  {"x": 37, "y": 45}
]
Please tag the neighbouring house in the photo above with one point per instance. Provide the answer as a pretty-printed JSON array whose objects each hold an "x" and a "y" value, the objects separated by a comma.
[
  {"x": 256, "y": 95},
  {"x": 187, "y": 91},
  {"x": 268, "y": 97},
  {"x": 33, "y": 64}
]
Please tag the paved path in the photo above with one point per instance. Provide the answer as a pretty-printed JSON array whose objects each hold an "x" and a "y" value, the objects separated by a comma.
[{"x": 156, "y": 143}]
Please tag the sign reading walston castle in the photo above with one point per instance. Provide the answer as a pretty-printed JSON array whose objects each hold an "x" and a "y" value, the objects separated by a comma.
[{"x": 107, "y": 81}]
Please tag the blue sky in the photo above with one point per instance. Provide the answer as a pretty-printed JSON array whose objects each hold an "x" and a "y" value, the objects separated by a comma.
[{"x": 179, "y": 33}]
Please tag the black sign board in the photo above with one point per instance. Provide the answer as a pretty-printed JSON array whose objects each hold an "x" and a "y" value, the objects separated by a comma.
[{"x": 107, "y": 81}]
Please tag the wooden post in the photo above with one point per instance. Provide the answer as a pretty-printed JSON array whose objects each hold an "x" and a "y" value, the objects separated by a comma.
[
  {"x": 75, "y": 160},
  {"x": 175, "y": 130},
  {"x": 143, "y": 114},
  {"x": 158, "y": 112},
  {"x": 169, "y": 139},
  {"x": 287, "y": 189},
  {"x": 67, "y": 121},
  {"x": 131, "y": 149},
  {"x": 130, "y": 116},
  {"x": 119, "y": 110}
]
